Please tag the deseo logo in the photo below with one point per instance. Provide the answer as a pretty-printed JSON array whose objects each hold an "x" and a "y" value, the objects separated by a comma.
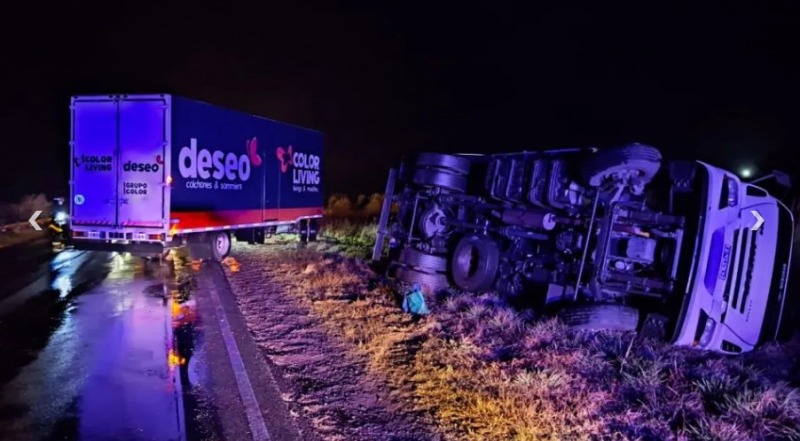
[
  {"x": 207, "y": 164},
  {"x": 145, "y": 167}
]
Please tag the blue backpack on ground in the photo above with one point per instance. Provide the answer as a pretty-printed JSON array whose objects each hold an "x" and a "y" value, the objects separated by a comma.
[{"x": 414, "y": 302}]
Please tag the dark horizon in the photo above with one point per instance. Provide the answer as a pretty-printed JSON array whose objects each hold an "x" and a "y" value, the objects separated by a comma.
[{"x": 714, "y": 84}]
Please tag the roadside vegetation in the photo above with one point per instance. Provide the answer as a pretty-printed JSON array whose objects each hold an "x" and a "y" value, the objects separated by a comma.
[
  {"x": 14, "y": 228},
  {"x": 478, "y": 369}
]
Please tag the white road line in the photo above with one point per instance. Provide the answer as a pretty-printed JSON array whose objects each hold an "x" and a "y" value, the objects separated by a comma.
[{"x": 254, "y": 418}]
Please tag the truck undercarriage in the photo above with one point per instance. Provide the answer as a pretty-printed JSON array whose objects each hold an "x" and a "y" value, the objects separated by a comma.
[{"x": 600, "y": 236}]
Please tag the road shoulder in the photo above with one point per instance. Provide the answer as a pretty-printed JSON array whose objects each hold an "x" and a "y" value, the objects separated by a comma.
[{"x": 225, "y": 376}]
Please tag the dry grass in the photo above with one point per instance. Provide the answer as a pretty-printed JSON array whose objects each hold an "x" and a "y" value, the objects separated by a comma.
[{"x": 481, "y": 370}]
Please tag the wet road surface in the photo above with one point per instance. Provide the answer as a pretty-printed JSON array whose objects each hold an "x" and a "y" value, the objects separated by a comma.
[
  {"x": 87, "y": 349},
  {"x": 107, "y": 346}
]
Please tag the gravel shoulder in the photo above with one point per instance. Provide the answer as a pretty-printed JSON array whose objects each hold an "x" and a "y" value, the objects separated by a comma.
[{"x": 324, "y": 377}]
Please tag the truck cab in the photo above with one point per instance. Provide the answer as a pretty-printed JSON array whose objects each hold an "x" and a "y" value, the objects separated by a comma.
[{"x": 736, "y": 292}]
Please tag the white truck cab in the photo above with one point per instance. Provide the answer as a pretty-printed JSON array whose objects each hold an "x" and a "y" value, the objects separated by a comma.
[{"x": 736, "y": 290}]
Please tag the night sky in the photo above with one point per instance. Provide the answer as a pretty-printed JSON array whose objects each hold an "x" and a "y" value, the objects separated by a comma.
[{"x": 716, "y": 83}]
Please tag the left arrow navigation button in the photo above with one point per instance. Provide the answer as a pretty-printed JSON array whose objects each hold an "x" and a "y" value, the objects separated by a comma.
[{"x": 33, "y": 222}]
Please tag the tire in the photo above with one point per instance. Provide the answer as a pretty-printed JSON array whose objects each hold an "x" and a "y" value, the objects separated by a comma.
[
  {"x": 609, "y": 317},
  {"x": 435, "y": 282},
  {"x": 451, "y": 163},
  {"x": 429, "y": 263},
  {"x": 314, "y": 230},
  {"x": 643, "y": 159},
  {"x": 307, "y": 230},
  {"x": 442, "y": 179},
  {"x": 220, "y": 245},
  {"x": 475, "y": 263}
]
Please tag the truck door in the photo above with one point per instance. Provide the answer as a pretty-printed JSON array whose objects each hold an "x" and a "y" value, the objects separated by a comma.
[
  {"x": 143, "y": 163},
  {"x": 119, "y": 165},
  {"x": 94, "y": 162}
]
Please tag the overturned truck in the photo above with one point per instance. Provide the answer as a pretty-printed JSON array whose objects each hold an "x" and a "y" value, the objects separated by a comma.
[{"x": 615, "y": 238}]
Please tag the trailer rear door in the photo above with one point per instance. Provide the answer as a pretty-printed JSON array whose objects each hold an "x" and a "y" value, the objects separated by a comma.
[{"x": 119, "y": 162}]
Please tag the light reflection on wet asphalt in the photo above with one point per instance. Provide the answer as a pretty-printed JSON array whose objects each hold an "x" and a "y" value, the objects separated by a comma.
[{"x": 91, "y": 356}]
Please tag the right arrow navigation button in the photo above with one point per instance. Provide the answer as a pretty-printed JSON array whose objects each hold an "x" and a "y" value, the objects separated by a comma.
[{"x": 759, "y": 220}]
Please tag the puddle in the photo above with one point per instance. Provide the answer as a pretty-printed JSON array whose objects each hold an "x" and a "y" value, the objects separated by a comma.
[{"x": 157, "y": 290}]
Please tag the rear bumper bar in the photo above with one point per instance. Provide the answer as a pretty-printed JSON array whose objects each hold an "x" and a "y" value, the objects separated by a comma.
[{"x": 126, "y": 247}]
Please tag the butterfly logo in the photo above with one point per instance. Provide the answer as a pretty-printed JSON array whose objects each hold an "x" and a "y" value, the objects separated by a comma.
[
  {"x": 251, "y": 145},
  {"x": 285, "y": 156}
]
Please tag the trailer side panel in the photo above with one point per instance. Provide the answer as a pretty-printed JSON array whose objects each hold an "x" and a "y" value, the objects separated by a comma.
[{"x": 226, "y": 172}]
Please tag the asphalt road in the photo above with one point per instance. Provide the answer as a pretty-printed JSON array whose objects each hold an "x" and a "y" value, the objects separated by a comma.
[
  {"x": 86, "y": 350},
  {"x": 107, "y": 346}
]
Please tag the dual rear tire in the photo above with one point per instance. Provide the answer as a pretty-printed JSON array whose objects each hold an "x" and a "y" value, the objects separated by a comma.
[
  {"x": 473, "y": 265},
  {"x": 427, "y": 270},
  {"x": 443, "y": 172},
  {"x": 307, "y": 230}
]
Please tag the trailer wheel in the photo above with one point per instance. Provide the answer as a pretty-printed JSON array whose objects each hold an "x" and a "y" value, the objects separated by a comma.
[
  {"x": 438, "y": 178},
  {"x": 451, "y": 163},
  {"x": 423, "y": 261},
  {"x": 609, "y": 317},
  {"x": 308, "y": 230},
  {"x": 220, "y": 245},
  {"x": 476, "y": 260},
  {"x": 436, "y": 282},
  {"x": 314, "y": 226},
  {"x": 638, "y": 161}
]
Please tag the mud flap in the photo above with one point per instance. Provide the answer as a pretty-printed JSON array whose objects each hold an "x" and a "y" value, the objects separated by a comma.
[{"x": 199, "y": 246}]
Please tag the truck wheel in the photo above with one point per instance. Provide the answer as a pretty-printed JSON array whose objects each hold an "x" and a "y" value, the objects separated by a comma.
[
  {"x": 314, "y": 226},
  {"x": 639, "y": 160},
  {"x": 423, "y": 261},
  {"x": 599, "y": 317},
  {"x": 476, "y": 260},
  {"x": 301, "y": 231},
  {"x": 654, "y": 327},
  {"x": 220, "y": 245},
  {"x": 451, "y": 163},
  {"x": 436, "y": 282},
  {"x": 442, "y": 179}
]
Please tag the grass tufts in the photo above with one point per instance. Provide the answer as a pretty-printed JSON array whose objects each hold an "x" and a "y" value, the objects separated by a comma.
[{"x": 479, "y": 369}]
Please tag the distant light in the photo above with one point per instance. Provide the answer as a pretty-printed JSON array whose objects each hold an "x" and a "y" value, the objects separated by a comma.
[{"x": 746, "y": 172}]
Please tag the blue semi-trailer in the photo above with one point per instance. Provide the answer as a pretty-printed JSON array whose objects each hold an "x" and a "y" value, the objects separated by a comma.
[{"x": 154, "y": 172}]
